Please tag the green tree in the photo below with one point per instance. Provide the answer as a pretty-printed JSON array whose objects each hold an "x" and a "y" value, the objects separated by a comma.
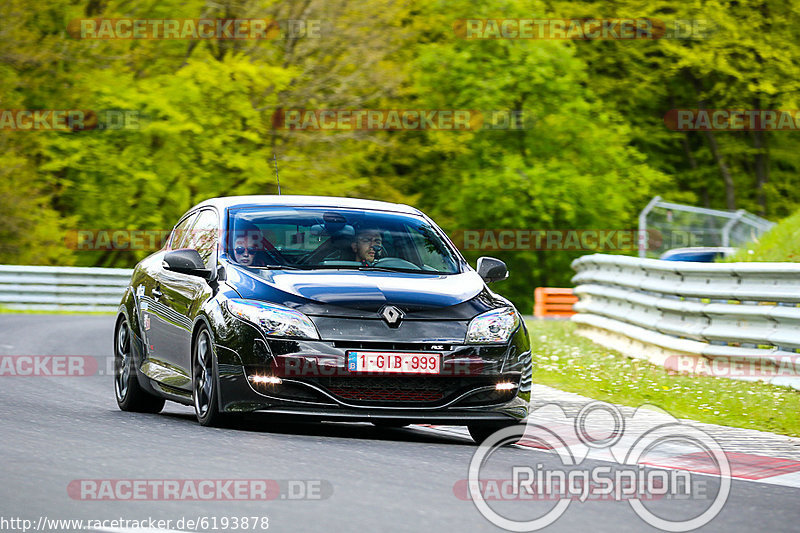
[{"x": 747, "y": 59}]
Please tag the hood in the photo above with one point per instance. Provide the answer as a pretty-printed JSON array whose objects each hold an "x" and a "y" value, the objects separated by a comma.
[{"x": 352, "y": 293}]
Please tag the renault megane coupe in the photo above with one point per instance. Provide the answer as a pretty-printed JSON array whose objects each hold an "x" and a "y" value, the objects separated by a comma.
[{"x": 323, "y": 308}]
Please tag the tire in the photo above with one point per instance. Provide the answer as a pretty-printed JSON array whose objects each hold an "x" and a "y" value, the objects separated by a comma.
[
  {"x": 481, "y": 432},
  {"x": 130, "y": 395},
  {"x": 204, "y": 381}
]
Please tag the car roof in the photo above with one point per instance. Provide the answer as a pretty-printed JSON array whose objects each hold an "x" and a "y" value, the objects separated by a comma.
[
  {"x": 227, "y": 202},
  {"x": 700, "y": 249}
]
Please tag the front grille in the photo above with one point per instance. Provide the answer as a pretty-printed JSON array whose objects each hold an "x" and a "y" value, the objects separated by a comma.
[
  {"x": 399, "y": 390},
  {"x": 389, "y": 390},
  {"x": 384, "y": 395}
]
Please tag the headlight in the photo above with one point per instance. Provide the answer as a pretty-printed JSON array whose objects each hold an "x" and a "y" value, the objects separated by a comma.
[
  {"x": 274, "y": 320},
  {"x": 495, "y": 326}
]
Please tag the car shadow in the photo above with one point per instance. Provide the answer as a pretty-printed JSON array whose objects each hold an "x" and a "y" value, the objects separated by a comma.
[{"x": 272, "y": 424}]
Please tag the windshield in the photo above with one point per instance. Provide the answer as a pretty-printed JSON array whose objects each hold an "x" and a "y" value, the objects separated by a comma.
[{"x": 319, "y": 238}]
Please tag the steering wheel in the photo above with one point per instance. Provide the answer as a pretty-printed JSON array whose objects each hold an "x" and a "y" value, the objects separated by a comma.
[{"x": 395, "y": 262}]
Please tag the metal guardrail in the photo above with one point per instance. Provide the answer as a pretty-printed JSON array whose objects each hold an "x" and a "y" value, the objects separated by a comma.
[
  {"x": 709, "y": 227},
  {"x": 62, "y": 288},
  {"x": 724, "y": 313}
]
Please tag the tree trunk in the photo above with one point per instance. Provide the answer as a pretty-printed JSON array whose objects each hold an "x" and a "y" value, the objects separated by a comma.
[
  {"x": 762, "y": 169},
  {"x": 727, "y": 179},
  {"x": 693, "y": 165},
  {"x": 730, "y": 197}
]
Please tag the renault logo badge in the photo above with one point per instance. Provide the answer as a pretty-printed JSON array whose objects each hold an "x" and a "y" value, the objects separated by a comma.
[{"x": 392, "y": 315}]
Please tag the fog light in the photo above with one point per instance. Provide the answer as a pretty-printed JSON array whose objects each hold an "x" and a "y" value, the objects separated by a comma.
[
  {"x": 268, "y": 380},
  {"x": 505, "y": 386}
]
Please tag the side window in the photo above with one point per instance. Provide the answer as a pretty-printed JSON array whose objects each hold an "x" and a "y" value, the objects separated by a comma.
[
  {"x": 180, "y": 235},
  {"x": 429, "y": 253},
  {"x": 203, "y": 236}
]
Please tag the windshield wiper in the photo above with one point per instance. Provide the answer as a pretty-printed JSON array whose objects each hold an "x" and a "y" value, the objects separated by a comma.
[
  {"x": 278, "y": 267},
  {"x": 380, "y": 269},
  {"x": 401, "y": 270},
  {"x": 364, "y": 268}
]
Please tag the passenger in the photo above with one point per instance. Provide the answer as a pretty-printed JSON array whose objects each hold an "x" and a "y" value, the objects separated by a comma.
[
  {"x": 244, "y": 250},
  {"x": 248, "y": 245}
]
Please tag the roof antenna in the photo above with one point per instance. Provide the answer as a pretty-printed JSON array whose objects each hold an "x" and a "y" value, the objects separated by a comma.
[{"x": 275, "y": 159}]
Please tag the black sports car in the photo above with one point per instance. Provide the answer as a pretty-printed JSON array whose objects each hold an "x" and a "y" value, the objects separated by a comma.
[{"x": 328, "y": 308}]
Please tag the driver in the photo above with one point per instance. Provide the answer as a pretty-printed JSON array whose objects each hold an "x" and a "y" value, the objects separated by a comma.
[{"x": 368, "y": 245}]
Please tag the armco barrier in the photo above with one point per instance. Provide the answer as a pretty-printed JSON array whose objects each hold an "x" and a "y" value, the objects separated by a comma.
[
  {"x": 742, "y": 320},
  {"x": 553, "y": 302},
  {"x": 62, "y": 288}
]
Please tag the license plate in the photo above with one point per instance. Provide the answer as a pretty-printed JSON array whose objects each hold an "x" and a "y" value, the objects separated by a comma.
[{"x": 394, "y": 362}]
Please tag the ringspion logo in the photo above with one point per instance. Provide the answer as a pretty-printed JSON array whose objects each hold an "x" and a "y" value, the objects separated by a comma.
[{"x": 632, "y": 448}]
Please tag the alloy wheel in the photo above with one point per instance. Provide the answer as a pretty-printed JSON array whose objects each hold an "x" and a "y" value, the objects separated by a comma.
[
  {"x": 203, "y": 375},
  {"x": 122, "y": 361}
]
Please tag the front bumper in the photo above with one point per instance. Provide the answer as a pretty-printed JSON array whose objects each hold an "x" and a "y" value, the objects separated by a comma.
[
  {"x": 315, "y": 382},
  {"x": 238, "y": 396},
  {"x": 470, "y": 400}
]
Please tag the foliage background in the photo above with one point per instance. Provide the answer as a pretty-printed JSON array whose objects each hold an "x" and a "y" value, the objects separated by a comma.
[{"x": 594, "y": 151}]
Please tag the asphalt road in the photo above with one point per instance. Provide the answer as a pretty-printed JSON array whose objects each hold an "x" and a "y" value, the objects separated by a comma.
[{"x": 56, "y": 430}]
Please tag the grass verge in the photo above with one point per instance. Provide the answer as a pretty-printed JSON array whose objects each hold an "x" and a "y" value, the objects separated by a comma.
[
  {"x": 564, "y": 360},
  {"x": 781, "y": 243}
]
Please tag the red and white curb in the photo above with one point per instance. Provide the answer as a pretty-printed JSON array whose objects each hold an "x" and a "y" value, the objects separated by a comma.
[{"x": 755, "y": 456}]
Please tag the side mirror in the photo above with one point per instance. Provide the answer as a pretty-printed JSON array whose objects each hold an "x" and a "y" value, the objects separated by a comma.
[
  {"x": 491, "y": 269},
  {"x": 186, "y": 262}
]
